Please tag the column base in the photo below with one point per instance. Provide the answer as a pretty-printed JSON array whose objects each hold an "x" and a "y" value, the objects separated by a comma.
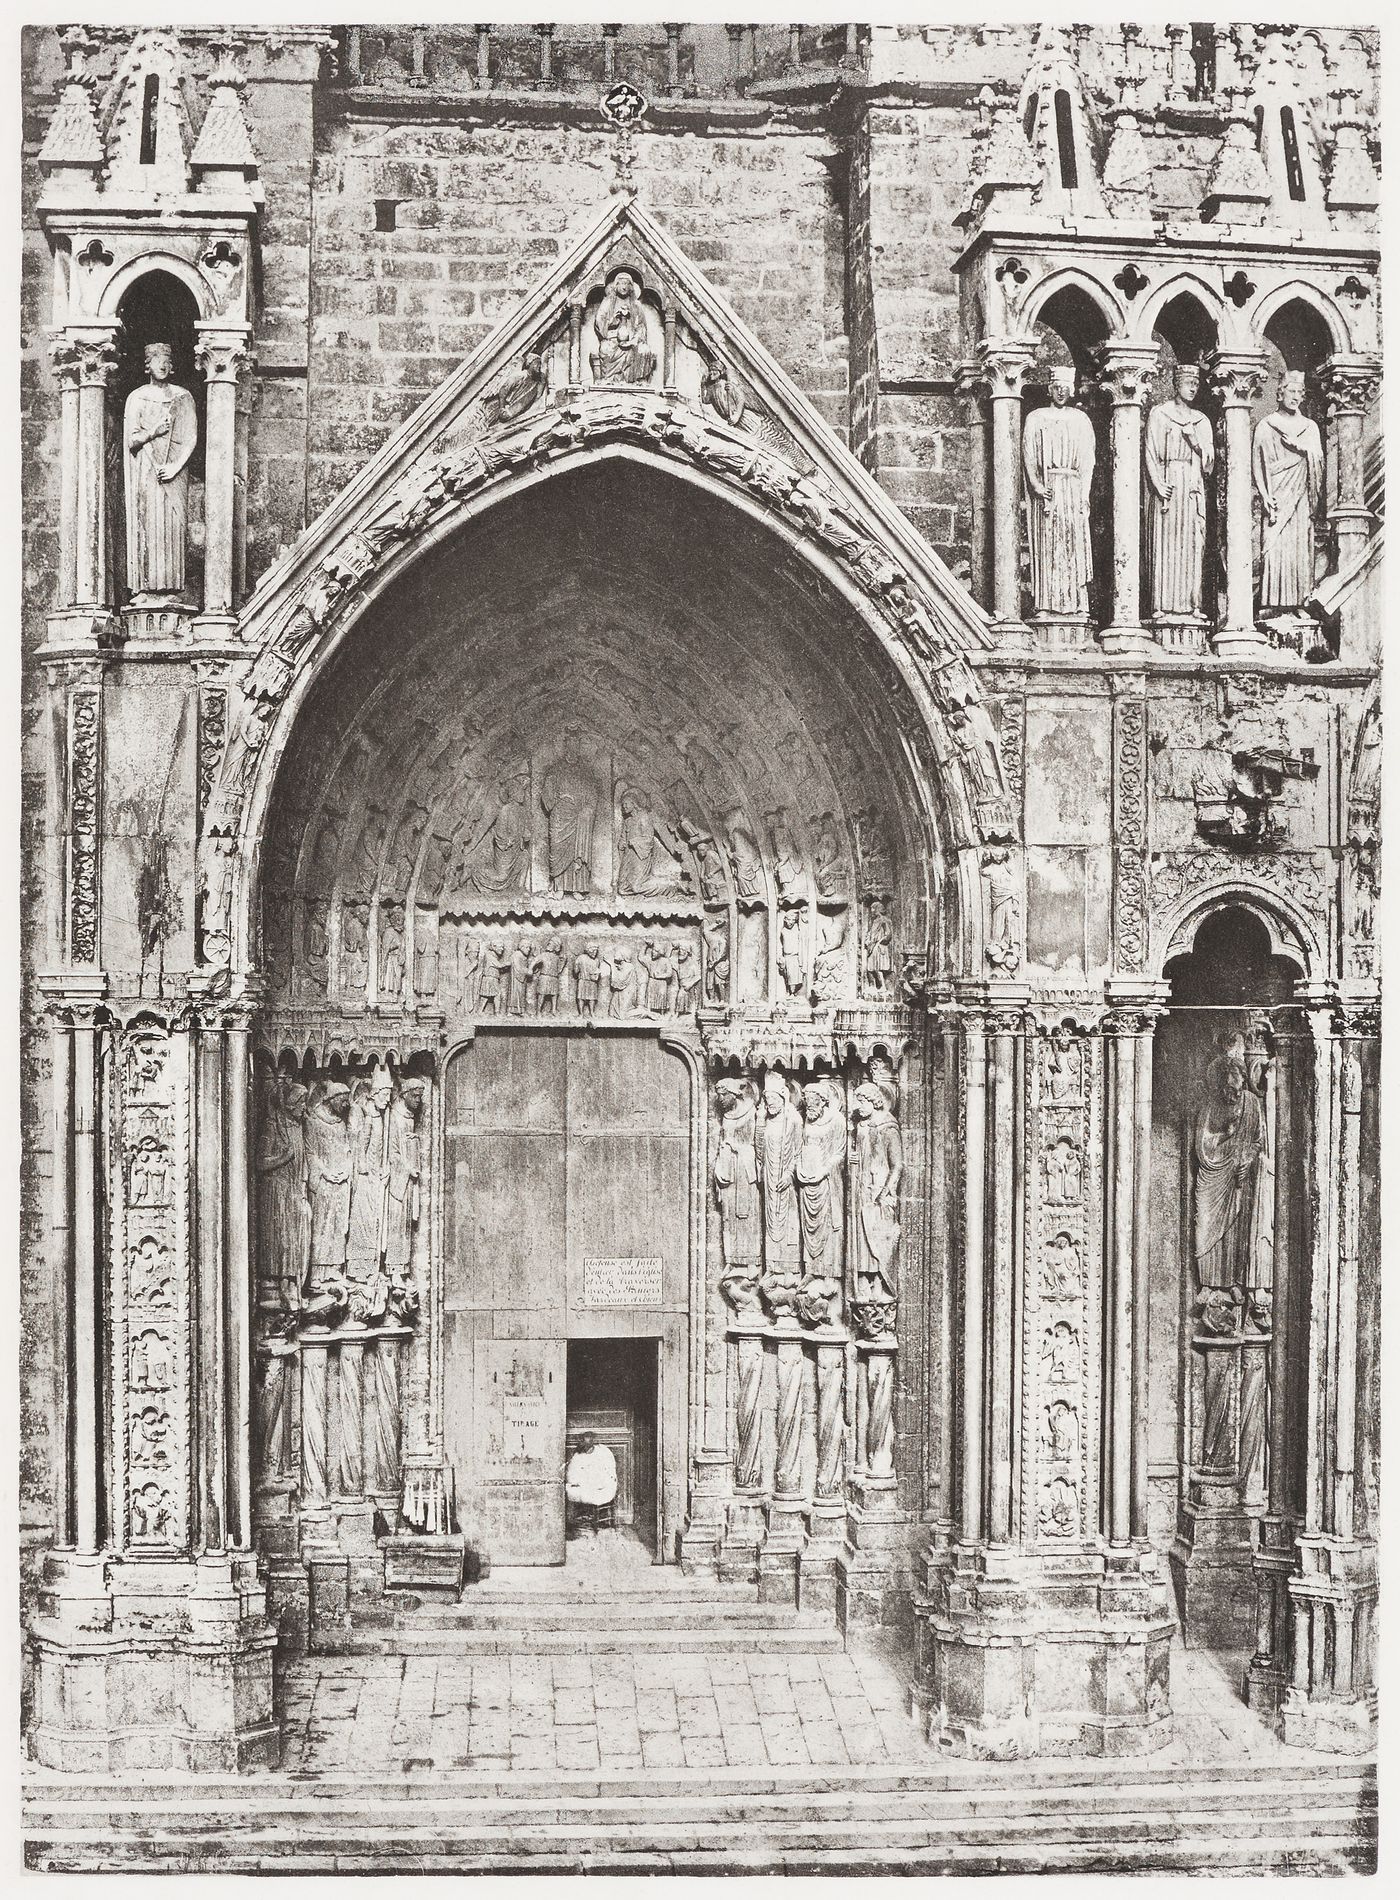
[
  {"x": 1212, "y": 1568},
  {"x": 157, "y": 620},
  {"x": 1017, "y": 1655},
  {"x": 1012, "y": 636},
  {"x": 700, "y": 1539},
  {"x": 781, "y": 1551},
  {"x": 435, "y": 1562},
  {"x": 1127, "y": 639},
  {"x": 214, "y": 629},
  {"x": 873, "y": 1568},
  {"x": 1061, "y": 633},
  {"x": 745, "y": 1525},
  {"x": 1241, "y": 643},
  {"x": 1330, "y": 1702},
  {"x": 153, "y": 1665}
]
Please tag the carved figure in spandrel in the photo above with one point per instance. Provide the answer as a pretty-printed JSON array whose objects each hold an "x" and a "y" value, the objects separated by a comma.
[{"x": 622, "y": 355}]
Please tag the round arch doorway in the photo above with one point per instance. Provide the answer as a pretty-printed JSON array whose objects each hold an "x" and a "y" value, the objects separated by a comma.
[{"x": 609, "y": 767}]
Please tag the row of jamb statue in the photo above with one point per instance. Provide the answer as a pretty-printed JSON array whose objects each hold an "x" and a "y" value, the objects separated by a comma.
[
  {"x": 339, "y": 1198},
  {"x": 1059, "y": 452},
  {"x": 779, "y": 1183}
]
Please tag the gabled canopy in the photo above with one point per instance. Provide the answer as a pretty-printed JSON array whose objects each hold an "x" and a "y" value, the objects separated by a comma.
[{"x": 622, "y": 349}]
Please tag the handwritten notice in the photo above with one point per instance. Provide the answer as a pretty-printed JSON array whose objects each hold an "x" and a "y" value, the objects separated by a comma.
[
  {"x": 622, "y": 1280},
  {"x": 524, "y": 1421}
]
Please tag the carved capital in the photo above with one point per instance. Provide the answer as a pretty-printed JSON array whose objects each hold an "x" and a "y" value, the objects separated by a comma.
[
  {"x": 1237, "y": 376},
  {"x": 1127, "y": 372},
  {"x": 223, "y": 355},
  {"x": 1350, "y": 384},
  {"x": 85, "y": 358},
  {"x": 1003, "y": 363}
]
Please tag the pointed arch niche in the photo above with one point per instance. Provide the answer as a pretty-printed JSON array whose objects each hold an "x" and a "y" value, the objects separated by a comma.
[{"x": 1229, "y": 1281}]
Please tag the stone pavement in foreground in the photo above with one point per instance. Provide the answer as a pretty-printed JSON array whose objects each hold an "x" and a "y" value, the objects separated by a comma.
[{"x": 618, "y": 1711}]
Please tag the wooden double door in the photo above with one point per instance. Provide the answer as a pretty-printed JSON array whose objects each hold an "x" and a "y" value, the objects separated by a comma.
[{"x": 567, "y": 1217}]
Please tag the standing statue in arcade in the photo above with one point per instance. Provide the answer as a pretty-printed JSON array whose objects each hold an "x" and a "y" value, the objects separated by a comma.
[
  {"x": 821, "y": 1166},
  {"x": 1230, "y": 1227},
  {"x": 879, "y": 1171},
  {"x": 1288, "y": 465},
  {"x": 779, "y": 1142},
  {"x": 328, "y": 1163},
  {"x": 368, "y": 1196},
  {"x": 1059, "y": 453},
  {"x": 403, "y": 1189},
  {"x": 160, "y": 429},
  {"x": 284, "y": 1213},
  {"x": 735, "y": 1177},
  {"x": 1179, "y": 455}
]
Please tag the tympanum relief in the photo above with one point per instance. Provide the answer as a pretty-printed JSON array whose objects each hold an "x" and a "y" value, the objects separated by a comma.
[{"x": 571, "y": 880}]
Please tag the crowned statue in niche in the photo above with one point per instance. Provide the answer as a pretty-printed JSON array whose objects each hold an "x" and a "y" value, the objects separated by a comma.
[
  {"x": 1179, "y": 455},
  {"x": 622, "y": 355},
  {"x": 1059, "y": 453},
  {"x": 160, "y": 430},
  {"x": 1288, "y": 465}
]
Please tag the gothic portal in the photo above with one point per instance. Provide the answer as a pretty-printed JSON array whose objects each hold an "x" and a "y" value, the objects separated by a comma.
[{"x": 702, "y": 761}]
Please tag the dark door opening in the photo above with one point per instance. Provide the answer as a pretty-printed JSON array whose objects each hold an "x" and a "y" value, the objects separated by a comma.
[{"x": 612, "y": 1387}]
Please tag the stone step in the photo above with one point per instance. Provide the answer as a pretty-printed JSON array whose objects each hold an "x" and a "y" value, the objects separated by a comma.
[
  {"x": 981, "y": 1784},
  {"x": 503, "y": 1614},
  {"x": 587, "y": 1639},
  {"x": 1324, "y": 1838},
  {"x": 1110, "y": 1806}
]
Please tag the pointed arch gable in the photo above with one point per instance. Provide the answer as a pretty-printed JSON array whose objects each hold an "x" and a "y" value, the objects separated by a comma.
[{"x": 767, "y": 454}]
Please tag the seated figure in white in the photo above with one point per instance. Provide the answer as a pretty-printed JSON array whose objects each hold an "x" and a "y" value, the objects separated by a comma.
[{"x": 590, "y": 1479}]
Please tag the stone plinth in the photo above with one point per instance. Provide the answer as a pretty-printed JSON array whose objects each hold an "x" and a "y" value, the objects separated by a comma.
[
  {"x": 1013, "y": 1658},
  {"x": 153, "y": 1665}
]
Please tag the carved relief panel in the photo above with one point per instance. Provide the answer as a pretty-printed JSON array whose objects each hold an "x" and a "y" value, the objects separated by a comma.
[
  {"x": 1062, "y": 1298},
  {"x": 150, "y": 1316}
]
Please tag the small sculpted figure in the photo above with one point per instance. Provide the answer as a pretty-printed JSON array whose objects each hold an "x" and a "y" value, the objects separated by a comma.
[
  {"x": 589, "y": 969},
  {"x": 879, "y": 948},
  {"x": 622, "y": 355},
  {"x": 792, "y": 951}
]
